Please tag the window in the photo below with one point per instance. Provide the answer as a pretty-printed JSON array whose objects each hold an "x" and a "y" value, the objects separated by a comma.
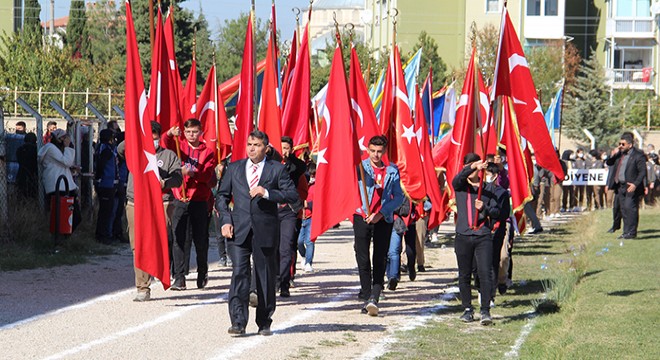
[
  {"x": 492, "y": 6},
  {"x": 632, "y": 8},
  {"x": 534, "y": 7},
  {"x": 551, "y": 8}
]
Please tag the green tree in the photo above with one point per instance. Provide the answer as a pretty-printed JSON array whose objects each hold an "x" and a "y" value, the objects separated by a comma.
[
  {"x": 633, "y": 105},
  {"x": 107, "y": 40},
  {"x": 32, "y": 31},
  {"x": 231, "y": 41},
  {"x": 430, "y": 58},
  {"x": 76, "y": 37},
  {"x": 587, "y": 106},
  {"x": 205, "y": 49}
]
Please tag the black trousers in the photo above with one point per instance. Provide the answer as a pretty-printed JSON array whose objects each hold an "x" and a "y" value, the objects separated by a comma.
[
  {"x": 410, "y": 237},
  {"x": 616, "y": 212},
  {"x": 380, "y": 232},
  {"x": 265, "y": 269},
  {"x": 629, "y": 204},
  {"x": 106, "y": 214},
  {"x": 193, "y": 215},
  {"x": 469, "y": 249},
  {"x": 289, "y": 230},
  {"x": 118, "y": 229}
]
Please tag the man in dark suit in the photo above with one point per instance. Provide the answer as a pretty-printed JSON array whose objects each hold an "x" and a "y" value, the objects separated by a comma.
[
  {"x": 626, "y": 178},
  {"x": 256, "y": 185}
]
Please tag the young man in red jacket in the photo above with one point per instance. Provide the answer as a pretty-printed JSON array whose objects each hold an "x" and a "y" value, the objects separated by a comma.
[{"x": 191, "y": 202}]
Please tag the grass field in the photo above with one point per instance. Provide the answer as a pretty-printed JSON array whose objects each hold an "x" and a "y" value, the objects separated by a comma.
[{"x": 608, "y": 296}]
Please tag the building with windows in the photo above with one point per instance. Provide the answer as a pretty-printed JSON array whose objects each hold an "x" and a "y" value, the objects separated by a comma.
[
  {"x": 631, "y": 53},
  {"x": 11, "y": 16}
]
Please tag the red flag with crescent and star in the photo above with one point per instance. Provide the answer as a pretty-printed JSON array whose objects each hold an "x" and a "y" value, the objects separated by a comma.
[
  {"x": 213, "y": 117},
  {"x": 151, "y": 249},
  {"x": 338, "y": 156},
  {"x": 366, "y": 124}
]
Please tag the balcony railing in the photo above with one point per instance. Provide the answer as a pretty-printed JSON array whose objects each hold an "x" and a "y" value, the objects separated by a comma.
[
  {"x": 635, "y": 77},
  {"x": 630, "y": 27}
]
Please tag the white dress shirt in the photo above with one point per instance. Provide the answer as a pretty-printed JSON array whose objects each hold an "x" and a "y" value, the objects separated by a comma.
[{"x": 260, "y": 169}]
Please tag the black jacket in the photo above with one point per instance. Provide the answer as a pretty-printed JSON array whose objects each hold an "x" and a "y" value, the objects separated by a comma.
[
  {"x": 256, "y": 214},
  {"x": 635, "y": 171},
  {"x": 490, "y": 212}
]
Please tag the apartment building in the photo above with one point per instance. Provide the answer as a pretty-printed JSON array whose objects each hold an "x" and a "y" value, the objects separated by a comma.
[{"x": 11, "y": 15}]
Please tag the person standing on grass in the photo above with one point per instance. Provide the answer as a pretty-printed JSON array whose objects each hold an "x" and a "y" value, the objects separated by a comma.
[
  {"x": 473, "y": 234},
  {"x": 106, "y": 181},
  {"x": 169, "y": 170},
  {"x": 627, "y": 180},
  {"x": 383, "y": 196}
]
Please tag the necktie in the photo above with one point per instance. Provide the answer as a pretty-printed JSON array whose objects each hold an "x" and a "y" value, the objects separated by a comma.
[{"x": 254, "y": 177}]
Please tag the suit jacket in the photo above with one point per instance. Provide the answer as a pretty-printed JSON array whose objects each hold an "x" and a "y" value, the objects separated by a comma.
[
  {"x": 256, "y": 214},
  {"x": 635, "y": 171}
]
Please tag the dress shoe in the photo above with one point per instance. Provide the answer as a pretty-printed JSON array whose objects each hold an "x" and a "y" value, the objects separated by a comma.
[
  {"x": 392, "y": 283},
  {"x": 628, "y": 236},
  {"x": 236, "y": 330},
  {"x": 265, "y": 331},
  {"x": 202, "y": 280},
  {"x": 284, "y": 292},
  {"x": 611, "y": 230},
  {"x": 179, "y": 284},
  {"x": 412, "y": 274},
  {"x": 421, "y": 268}
]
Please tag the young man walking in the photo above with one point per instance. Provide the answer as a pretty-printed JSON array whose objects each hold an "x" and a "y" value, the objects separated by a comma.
[{"x": 373, "y": 221}]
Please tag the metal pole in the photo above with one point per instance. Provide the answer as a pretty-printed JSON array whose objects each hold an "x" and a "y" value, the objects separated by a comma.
[
  {"x": 151, "y": 23},
  {"x": 52, "y": 18},
  {"x": 255, "y": 118},
  {"x": 5, "y": 236}
]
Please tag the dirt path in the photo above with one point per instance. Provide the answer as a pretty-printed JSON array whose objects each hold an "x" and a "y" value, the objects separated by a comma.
[{"x": 86, "y": 311}]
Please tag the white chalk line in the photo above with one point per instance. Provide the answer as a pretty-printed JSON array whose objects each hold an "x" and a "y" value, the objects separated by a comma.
[
  {"x": 135, "y": 329},
  {"x": 240, "y": 347},
  {"x": 381, "y": 347},
  {"x": 524, "y": 332}
]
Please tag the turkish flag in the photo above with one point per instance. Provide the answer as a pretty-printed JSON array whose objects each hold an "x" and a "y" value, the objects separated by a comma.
[
  {"x": 387, "y": 101},
  {"x": 337, "y": 156},
  {"x": 404, "y": 150},
  {"x": 163, "y": 95},
  {"x": 439, "y": 199},
  {"x": 519, "y": 170},
  {"x": 151, "y": 249},
  {"x": 513, "y": 78},
  {"x": 290, "y": 66},
  {"x": 366, "y": 125},
  {"x": 244, "y": 121},
  {"x": 188, "y": 98},
  {"x": 171, "y": 56},
  {"x": 270, "y": 117},
  {"x": 464, "y": 135},
  {"x": 214, "y": 118},
  {"x": 297, "y": 108}
]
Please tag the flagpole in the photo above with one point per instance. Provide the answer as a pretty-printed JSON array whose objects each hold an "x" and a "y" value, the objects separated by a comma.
[
  {"x": 151, "y": 23},
  {"x": 477, "y": 115},
  {"x": 255, "y": 118},
  {"x": 361, "y": 167},
  {"x": 561, "y": 112},
  {"x": 215, "y": 117},
  {"x": 432, "y": 118}
]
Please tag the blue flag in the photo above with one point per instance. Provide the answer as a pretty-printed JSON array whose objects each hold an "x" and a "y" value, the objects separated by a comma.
[{"x": 553, "y": 115}]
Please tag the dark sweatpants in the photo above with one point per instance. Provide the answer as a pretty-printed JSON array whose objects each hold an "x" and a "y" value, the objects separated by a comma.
[{"x": 469, "y": 249}]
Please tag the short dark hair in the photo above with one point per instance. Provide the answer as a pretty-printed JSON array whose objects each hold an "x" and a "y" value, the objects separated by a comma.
[
  {"x": 470, "y": 158},
  {"x": 155, "y": 127},
  {"x": 51, "y": 123},
  {"x": 258, "y": 134},
  {"x": 30, "y": 138},
  {"x": 493, "y": 168},
  {"x": 628, "y": 137},
  {"x": 192, "y": 123},
  {"x": 378, "y": 140},
  {"x": 490, "y": 157},
  {"x": 106, "y": 135},
  {"x": 288, "y": 140},
  {"x": 111, "y": 124},
  {"x": 21, "y": 123}
]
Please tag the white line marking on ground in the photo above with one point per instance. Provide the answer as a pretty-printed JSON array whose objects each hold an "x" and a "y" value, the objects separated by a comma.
[
  {"x": 253, "y": 342},
  {"x": 82, "y": 305},
  {"x": 132, "y": 330},
  {"x": 524, "y": 332}
]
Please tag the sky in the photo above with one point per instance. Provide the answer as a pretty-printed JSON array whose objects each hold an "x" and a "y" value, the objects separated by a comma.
[{"x": 216, "y": 11}]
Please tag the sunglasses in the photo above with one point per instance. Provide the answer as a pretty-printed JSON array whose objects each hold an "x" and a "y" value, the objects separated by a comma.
[{"x": 623, "y": 144}]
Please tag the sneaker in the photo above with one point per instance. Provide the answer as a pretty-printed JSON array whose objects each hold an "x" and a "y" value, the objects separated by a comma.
[
  {"x": 142, "y": 296},
  {"x": 202, "y": 280},
  {"x": 421, "y": 268},
  {"x": 535, "y": 231},
  {"x": 492, "y": 304},
  {"x": 485, "y": 318},
  {"x": 371, "y": 307},
  {"x": 254, "y": 300},
  {"x": 292, "y": 284},
  {"x": 179, "y": 284},
  {"x": 223, "y": 261},
  {"x": 309, "y": 268},
  {"x": 229, "y": 263},
  {"x": 392, "y": 283},
  {"x": 468, "y": 316}
]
